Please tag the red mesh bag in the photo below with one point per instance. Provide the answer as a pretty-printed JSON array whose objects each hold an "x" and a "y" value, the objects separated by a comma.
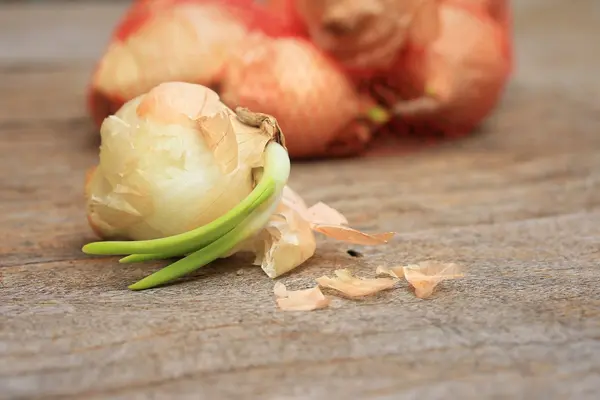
[{"x": 333, "y": 73}]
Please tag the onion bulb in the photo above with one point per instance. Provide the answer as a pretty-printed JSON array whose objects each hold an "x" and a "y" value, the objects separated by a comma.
[
  {"x": 170, "y": 161},
  {"x": 315, "y": 103},
  {"x": 182, "y": 175}
]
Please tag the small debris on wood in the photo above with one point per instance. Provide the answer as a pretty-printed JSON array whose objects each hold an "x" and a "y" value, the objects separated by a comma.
[{"x": 354, "y": 253}]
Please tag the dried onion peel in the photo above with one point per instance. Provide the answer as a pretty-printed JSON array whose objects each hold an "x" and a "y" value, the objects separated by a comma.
[
  {"x": 425, "y": 276},
  {"x": 352, "y": 286},
  {"x": 300, "y": 300},
  {"x": 394, "y": 272},
  {"x": 288, "y": 239}
]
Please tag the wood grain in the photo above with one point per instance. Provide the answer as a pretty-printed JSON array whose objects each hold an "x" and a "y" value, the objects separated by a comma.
[{"x": 518, "y": 204}]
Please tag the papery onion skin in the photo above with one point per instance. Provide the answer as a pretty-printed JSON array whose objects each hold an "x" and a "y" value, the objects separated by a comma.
[
  {"x": 288, "y": 239},
  {"x": 425, "y": 276},
  {"x": 300, "y": 300},
  {"x": 159, "y": 177}
]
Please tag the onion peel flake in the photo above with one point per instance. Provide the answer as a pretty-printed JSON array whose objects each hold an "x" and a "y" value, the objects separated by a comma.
[
  {"x": 352, "y": 286},
  {"x": 351, "y": 235},
  {"x": 285, "y": 242},
  {"x": 394, "y": 272},
  {"x": 321, "y": 213},
  {"x": 425, "y": 276},
  {"x": 330, "y": 222},
  {"x": 300, "y": 300}
]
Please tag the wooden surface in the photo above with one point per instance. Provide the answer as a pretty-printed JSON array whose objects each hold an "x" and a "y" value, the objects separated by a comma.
[{"x": 519, "y": 205}]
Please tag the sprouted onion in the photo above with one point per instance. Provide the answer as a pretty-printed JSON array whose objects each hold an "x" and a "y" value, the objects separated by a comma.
[{"x": 183, "y": 176}]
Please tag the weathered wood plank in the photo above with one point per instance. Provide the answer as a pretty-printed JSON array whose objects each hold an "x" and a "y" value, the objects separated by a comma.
[{"x": 518, "y": 204}]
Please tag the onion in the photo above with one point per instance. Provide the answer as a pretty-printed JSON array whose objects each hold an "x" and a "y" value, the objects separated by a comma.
[
  {"x": 182, "y": 175},
  {"x": 169, "y": 162},
  {"x": 499, "y": 10},
  {"x": 173, "y": 40},
  {"x": 366, "y": 36},
  {"x": 176, "y": 159},
  {"x": 315, "y": 103},
  {"x": 463, "y": 72}
]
